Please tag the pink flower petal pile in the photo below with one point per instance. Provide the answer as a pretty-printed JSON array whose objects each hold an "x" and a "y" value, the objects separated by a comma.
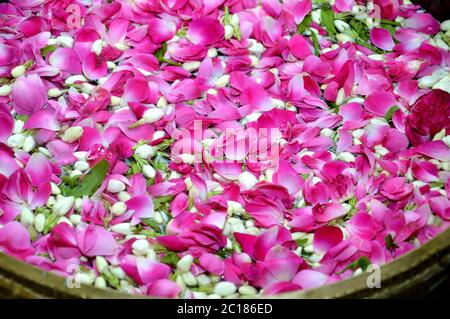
[{"x": 98, "y": 178}]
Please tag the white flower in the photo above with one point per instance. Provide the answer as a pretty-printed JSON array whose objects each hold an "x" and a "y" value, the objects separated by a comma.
[
  {"x": 185, "y": 263},
  {"x": 148, "y": 171}
]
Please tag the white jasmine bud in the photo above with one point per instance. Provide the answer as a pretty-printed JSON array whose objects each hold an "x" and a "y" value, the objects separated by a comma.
[
  {"x": 124, "y": 196},
  {"x": 100, "y": 282},
  {"x": 18, "y": 126},
  {"x": 255, "y": 47},
  {"x": 29, "y": 144},
  {"x": 122, "y": 228},
  {"x": 72, "y": 134},
  {"x": 225, "y": 288},
  {"x": 54, "y": 92},
  {"x": 144, "y": 151},
  {"x": 153, "y": 115},
  {"x": 64, "y": 41},
  {"x": 118, "y": 208},
  {"x": 148, "y": 171},
  {"x": 187, "y": 158},
  {"x": 16, "y": 141},
  {"x": 121, "y": 46},
  {"x": 55, "y": 189},
  {"x": 81, "y": 166},
  {"x": 185, "y": 263},
  {"x": 234, "y": 208},
  {"x": 228, "y": 32},
  {"x": 222, "y": 81},
  {"x": 63, "y": 205},
  {"x": 254, "y": 60},
  {"x": 75, "y": 219},
  {"x": 189, "y": 279},
  {"x": 74, "y": 79},
  {"x": 101, "y": 264},
  {"x": 212, "y": 52},
  {"x": 191, "y": 66},
  {"x": 85, "y": 278},
  {"x": 141, "y": 247},
  {"x": 18, "y": 71},
  {"x": 247, "y": 290},
  {"x": 5, "y": 90},
  {"x": 247, "y": 180},
  {"x": 26, "y": 216},
  {"x": 162, "y": 102},
  {"x": 445, "y": 25},
  {"x": 203, "y": 280},
  {"x": 342, "y": 37},
  {"x": 341, "y": 26},
  {"x": 115, "y": 186},
  {"x": 39, "y": 222},
  {"x": 346, "y": 157}
]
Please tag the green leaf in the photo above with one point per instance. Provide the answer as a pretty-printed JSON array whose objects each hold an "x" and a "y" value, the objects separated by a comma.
[
  {"x": 170, "y": 258},
  {"x": 159, "y": 54},
  {"x": 302, "y": 242},
  {"x": 327, "y": 17},
  {"x": 304, "y": 24},
  {"x": 224, "y": 252},
  {"x": 390, "y": 28},
  {"x": 92, "y": 180},
  {"x": 390, "y": 113},
  {"x": 50, "y": 222},
  {"x": 362, "y": 263},
  {"x": 315, "y": 41},
  {"x": 150, "y": 222},
  {"x": 162, "y": 202},
  {"x": 46, "y": 50},
  {"x": 390, "y": 244},
  {"x": 360, "y": 28}
]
